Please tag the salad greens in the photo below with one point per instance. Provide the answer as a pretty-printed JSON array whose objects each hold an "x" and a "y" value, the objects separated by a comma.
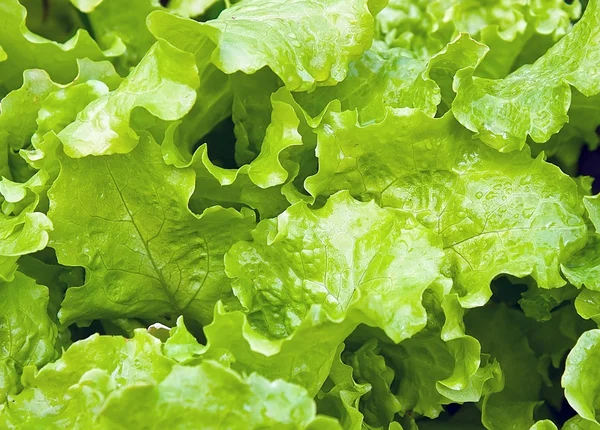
[{"x": 299, "y": 214}]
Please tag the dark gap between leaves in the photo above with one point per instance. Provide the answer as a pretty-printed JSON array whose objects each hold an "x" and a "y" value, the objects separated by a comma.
[
  {"x": 79, "y": 333},
  {"x": 589, "y": 165},
  {"x": 507, "y": 292},
  {"x": 452, "y": 408},
  {"x": 221, "y": 144},
  {"x": 45, "y": 18}
]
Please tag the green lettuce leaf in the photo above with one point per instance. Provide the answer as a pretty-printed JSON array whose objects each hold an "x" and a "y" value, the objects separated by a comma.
[
  {"x": 163, "y": 83},
  {"x": 18, "y": 115},
  {"x": 565, "y": 147},
  {"x": 500, "y": 331},
  {"x": 584, "y": 267},
  {"x": 523, "y": 214},
  {"x": 21, "y": 234},
  {"x": 345, "y": 255},
  {"x": 304, "y": 358},
  {"x": 26, "y": 50},
  {"x": 61, "y": 106},
  {"x": 317, "y": 44},
  {"x": 191, "y": 8},
  {"x": 45, "y": 270},
  {"x": 340, "y": 395},
  {"x": 114, "y": 25},
  {"x": 417, "y": 262},
  {"x": 50, "y": 107},
  {"x": 587, "y": 304},
  {"x": 578, "y": 423},
  {"x": 23, "y": 229},
  {"x": 28, "y": 334},
  {"x": 266, "y": 404},
  {"x": 24, "y": 104},
  {"x": 544, "y": 425},
  {"x": 515, "y": 31},
  {"x": 96, "y": 382},
  {"x": 214, "y": 94},
  {"x": 534, "y": 100},
  {"x": 180, "y": 344},
  {"x": 132, "y": 228},
  {"x": 538, "y": 303},
  {"x": 411, "y": 25},
  {"x": 385, "y": 77},
  {"x": 581, "y": 377},
  {"x": 257, "y": 184},
  {"x": 512, "y": 30},
  {"x": 379, "y": 405},
  {"x": 438, "y": 366},
  {"x": 72, "y": 390},
  {"x": 551, "y": 340}
]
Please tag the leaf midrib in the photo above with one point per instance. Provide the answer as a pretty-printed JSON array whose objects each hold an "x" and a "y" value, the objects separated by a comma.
[{"x": 159, "y": 273}]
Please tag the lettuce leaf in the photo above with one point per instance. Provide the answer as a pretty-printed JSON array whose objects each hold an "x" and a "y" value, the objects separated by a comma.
[
  {"x": 28, "y": 332},
  {"x": 158, "y": 84},
  {"x": 477, "y": 199},
  {"x": 331, "y": 260},
  {"x": 179, "y": 276},
  {"x": 26, "y": 50},
  {"x": 370, "y": 214},
  {"x": 581, "y": 391},
  {"x": 533, "y": 100}
]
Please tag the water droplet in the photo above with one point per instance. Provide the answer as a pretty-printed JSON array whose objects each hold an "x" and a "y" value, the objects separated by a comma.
[
  {"x": 593, "y": 70},
  {"x": 428, "y": 146},
  {"x": 479, "y": 194}
]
